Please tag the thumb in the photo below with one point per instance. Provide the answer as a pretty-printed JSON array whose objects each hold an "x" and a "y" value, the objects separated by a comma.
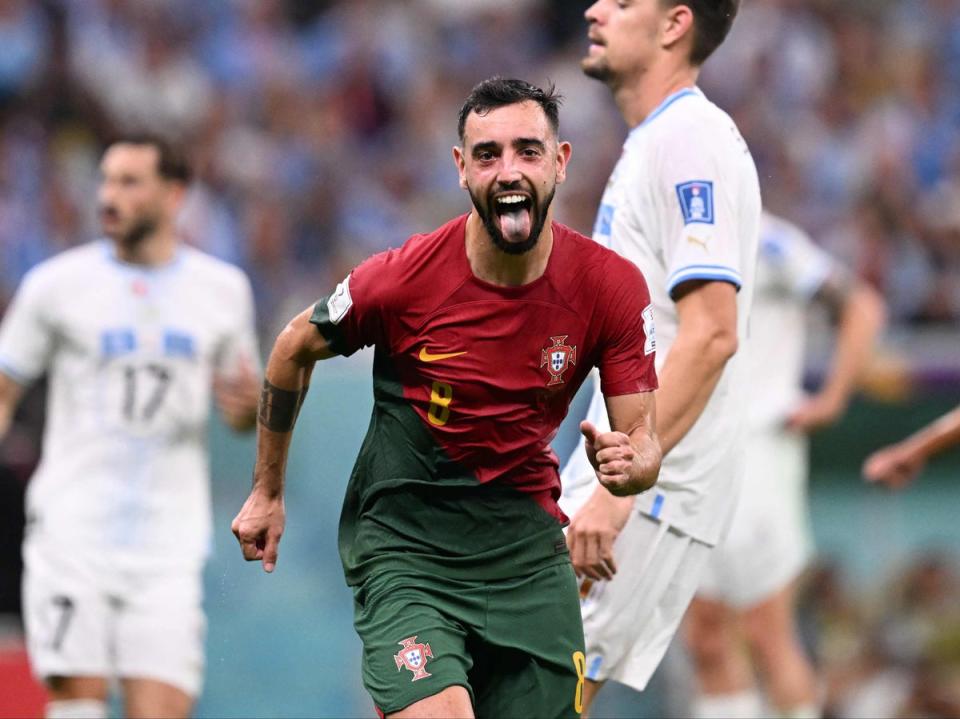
[
  {"x": 270, "y": 552},
  {"x": 589, "y": 432}
]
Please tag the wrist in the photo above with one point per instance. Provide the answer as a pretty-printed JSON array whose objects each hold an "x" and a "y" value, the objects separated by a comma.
[{"x": 267, "y": 487}]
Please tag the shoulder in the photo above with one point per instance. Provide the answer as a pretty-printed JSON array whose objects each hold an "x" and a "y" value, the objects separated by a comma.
[
  {"x": 692, "y": 124},
  {"x": 585, "y": 261},
  {"x": 76, "y": 262},
  {"x": 212, "y": 270},
  {"x": 779, "y": 236},
  {"x": 426, "y": 257}
]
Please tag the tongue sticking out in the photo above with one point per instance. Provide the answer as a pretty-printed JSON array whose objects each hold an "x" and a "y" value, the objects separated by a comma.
[{"x": 515, "y": 225}]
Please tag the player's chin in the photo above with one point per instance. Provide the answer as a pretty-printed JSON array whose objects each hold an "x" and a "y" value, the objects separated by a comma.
[{"x": 593, "y": 66}]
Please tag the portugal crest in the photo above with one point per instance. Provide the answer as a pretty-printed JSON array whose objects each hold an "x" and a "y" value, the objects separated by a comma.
[
  {"x": 557, "y": 358},
  {"x": 413, "y": 656}
]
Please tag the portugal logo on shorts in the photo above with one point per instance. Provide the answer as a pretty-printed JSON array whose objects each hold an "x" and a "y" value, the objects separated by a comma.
[
  {"x": 557, "y": 358},
  {"x": 413, "y": 656}
]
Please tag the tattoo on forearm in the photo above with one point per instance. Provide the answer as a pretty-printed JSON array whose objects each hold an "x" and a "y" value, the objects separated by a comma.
[{"x": 279, "y": 407}]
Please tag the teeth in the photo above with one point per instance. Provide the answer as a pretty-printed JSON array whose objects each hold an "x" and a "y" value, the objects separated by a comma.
[{"x": 511, "y": 199}]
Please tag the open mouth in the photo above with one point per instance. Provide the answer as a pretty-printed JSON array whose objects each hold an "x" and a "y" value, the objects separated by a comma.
[{"x": 514, "y": 215}]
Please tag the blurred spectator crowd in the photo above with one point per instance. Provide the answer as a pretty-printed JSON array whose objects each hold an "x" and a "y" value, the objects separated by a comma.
[
  {"x": 891, "y": 651},
  {"x": 321, "y": 130}
]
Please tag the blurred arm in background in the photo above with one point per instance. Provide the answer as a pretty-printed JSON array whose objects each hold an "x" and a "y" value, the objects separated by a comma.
[
  {"x": 898, "y": 464},
  {"x": 10, "y": 394},
  {"x": 860, "y": 313}
]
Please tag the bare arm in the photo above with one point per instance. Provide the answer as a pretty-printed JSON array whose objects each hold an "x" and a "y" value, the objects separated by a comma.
[
  {"x": 862, "y": 314},
  {"x": 897, "y": 465},
  {"x": 706, "y": 339},
  {"x": 238, "y": 396},
  {"x": 627, "y": 461},
  {"x": 259, "y": 525},
  {"x": 10, "y": 394}
]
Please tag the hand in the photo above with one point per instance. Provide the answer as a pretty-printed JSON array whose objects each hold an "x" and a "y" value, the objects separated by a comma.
[
  {"x": 237, "y": 396},
  {"x": 814, "y": 413},
  {"x": 894, "y": 466},
  {"x": 258, "y": 527},
  {"x": 611, "y": 455},
  {"x": 593, "y": 531}
]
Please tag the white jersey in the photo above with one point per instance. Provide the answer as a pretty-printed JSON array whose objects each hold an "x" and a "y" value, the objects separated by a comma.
[
  {"x": 130, "y": 352},
  {"x": 770, "y": 541},
  {"x": 791, "y": 269},
  {"x": 683, "y": 203}
]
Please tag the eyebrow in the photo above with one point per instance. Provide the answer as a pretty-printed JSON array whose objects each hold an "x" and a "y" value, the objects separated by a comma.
[{"x": 516, "y": 143}]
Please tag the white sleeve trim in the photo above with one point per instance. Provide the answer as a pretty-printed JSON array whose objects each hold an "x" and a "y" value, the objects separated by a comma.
[
  {"x": 703, "y": 272},
  {"x": 13, "y": 373}
]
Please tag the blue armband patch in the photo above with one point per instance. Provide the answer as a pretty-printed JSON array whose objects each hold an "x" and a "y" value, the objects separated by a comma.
[{"x": 696, "y": 201}]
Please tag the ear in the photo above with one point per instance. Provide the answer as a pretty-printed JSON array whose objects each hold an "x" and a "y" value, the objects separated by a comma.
[
  {"x": 677, "y": 26},
  {"x": 564, "y": 150},
  {"x": 176, "y": 194},
  {"x": 461, "y": 163}
]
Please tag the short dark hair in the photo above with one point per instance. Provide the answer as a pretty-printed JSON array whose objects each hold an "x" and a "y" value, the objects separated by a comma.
[
  {"x": 172, "y": 163},
  {"x": 712, "y": 20},
  {"x": 500, "y": 91}
]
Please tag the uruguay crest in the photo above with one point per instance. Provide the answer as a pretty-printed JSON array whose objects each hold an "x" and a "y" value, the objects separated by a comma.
[
  {"x": 557, "y": 359},
  {"x": 413, "y": 656}
]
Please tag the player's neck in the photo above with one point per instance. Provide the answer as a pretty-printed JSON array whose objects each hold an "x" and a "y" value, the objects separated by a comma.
[
  {"x": 158, "y": 248},
  {"x": 493, "y": 265},
  {"x": 638, "y": 100}
]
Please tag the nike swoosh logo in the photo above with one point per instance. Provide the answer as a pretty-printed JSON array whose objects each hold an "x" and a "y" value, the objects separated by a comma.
[{"x": 425, "y": 356}]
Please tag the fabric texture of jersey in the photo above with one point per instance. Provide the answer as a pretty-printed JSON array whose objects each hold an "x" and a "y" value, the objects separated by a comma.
[
  {"x": 770, "y": 540},
  {"x": 471, "y": 381},
  {"x": 423, "y": 633},
  {"x": 683, "y": 204},
  {"x": 130, "y": 353}
]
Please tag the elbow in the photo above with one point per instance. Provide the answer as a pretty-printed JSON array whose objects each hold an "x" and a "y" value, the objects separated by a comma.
[
  {"x": 721, "y": 344},
  {"x": 290, "y": 343},
  {"x": 872, "y": 306}
]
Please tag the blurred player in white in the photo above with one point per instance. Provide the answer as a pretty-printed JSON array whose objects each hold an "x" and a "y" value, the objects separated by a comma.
[
  {"x": 750, "y": 579},
  {"x": 683, "y": 203},
  {"x": 135, "y": 333}
]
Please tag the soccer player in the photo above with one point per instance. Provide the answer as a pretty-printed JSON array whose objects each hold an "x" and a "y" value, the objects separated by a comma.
[
  {"x": 898, "y": 464},
  {"x": 450, "y": 533},
  {"x": 135, "y": 333},
  {"x": 683, "y": 203},
  {"x": 750, "y": 578}
]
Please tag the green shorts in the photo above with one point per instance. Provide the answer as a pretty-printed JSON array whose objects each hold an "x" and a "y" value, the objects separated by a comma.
[{"x": 516, "y": 645}]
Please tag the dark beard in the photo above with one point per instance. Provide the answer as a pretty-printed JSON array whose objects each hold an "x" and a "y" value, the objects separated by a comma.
[
  {"x": 137, "y": 233},
  {"x": 536, "y": 227},
  {"x": 600, "y": 73}
]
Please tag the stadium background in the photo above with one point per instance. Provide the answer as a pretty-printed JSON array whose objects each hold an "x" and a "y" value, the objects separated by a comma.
[{"x": 321, "y": 132}]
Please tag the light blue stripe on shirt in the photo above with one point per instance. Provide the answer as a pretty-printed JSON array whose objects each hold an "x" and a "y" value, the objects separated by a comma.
[
  {"x": 704, "y": 272},
  {"x": 594, "y": 668},
  {"x": 13, "y": 373}
]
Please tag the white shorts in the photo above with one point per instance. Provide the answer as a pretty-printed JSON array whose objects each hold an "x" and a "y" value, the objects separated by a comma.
[
  {"x": 770, "y": 540},
  {"x": 84, "y": 617},
  {"x": 628, "y": 622}
]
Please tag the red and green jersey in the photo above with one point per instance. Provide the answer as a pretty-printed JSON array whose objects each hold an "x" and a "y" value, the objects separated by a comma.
[{"x": 471, "y": 381}]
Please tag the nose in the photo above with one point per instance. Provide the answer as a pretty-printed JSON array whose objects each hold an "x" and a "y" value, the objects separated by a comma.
[
  {"x": 509, "y": 171},
  {"x": 590, "y": 14}
]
